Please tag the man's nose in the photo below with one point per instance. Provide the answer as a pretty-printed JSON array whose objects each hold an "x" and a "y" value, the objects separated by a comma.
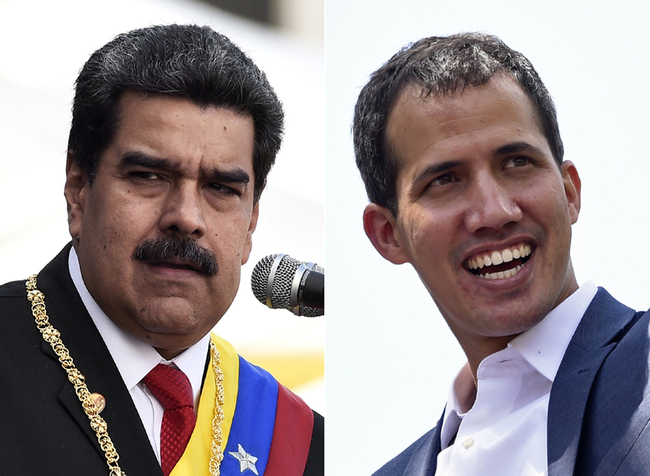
[
  {"x": 183, "y": 212},
  {"x": 491, "y": 206}
]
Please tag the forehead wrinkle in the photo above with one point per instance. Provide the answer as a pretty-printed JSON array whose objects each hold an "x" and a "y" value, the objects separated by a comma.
[{"x": 448, "y": 130}]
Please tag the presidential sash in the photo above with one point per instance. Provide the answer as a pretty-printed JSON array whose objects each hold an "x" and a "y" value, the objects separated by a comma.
[{"x": 266, "y": 428}]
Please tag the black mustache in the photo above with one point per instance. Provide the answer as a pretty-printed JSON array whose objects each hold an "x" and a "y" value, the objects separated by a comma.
[{"x": 188, "y": 250}]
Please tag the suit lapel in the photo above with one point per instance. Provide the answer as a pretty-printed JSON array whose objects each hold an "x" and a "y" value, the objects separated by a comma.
[
  {"x": 567, "y": 403},
  {"x": 79, "y": 334},
  {"x": 591, "y": 344},
  {"x": 619, "y": 411},
  {"x": 424, "y": 458}
]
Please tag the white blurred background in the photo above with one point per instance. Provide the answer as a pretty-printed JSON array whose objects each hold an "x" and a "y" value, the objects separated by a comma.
[
  {"x": 44, "y": 45},
  {"x": 390, "y": 357}
]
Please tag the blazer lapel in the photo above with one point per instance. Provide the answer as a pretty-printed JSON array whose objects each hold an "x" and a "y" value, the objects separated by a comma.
[
  {"x": 591, "y": 344},
  {"x": 424, "y": 458},
  {"x": 79, "y": 334},
  {"x": 567, "y": 403},
  {"x": 619, "y": 409}
]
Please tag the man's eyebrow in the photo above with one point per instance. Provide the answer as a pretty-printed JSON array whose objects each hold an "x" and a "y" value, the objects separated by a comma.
[
  {"x": 435, "y": 169},
  {"x": 517, "y": 147},
  {"x": 143, "y": 160},
  {"x": 233, "y": 176},
  {"x": 137, "y": 158}
]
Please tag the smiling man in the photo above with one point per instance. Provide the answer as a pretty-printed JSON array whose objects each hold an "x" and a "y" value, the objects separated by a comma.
[
  {"x": 174, "y": 131},
  {"x": 458, "y": 145}
]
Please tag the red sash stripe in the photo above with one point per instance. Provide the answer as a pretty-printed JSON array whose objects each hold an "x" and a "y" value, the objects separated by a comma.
[{"x": 294, "y": 423}]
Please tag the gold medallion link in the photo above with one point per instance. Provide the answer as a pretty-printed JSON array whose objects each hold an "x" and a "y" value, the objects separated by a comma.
[
  {"x": 52, "y": 336},
  {"x": 216, "y": 453},
  {"x": 97, "y": 423}
]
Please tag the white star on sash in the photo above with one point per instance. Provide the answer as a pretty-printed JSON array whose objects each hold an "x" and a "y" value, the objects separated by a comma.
[{"x": 246, "y": 461}]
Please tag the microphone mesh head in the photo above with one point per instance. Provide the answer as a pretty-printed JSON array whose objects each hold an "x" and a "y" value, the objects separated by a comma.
[
  {"x": 281, "y": 286},
  {"x": 260, "y": 277}
]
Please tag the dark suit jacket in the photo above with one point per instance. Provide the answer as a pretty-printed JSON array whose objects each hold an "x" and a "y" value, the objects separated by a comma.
[
  {"x": 43, "y": 429},
  {"x": 599, "y": 406}
]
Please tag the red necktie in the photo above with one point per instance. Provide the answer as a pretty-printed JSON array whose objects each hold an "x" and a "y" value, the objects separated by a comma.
[{"x": 172, "y": 388}]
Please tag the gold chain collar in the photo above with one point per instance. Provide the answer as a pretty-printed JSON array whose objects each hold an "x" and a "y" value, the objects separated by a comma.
[{"x": 97, "y": 423}]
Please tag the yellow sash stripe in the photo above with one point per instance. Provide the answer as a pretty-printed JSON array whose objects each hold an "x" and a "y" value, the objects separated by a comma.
[{"x": 196, "y": 458}]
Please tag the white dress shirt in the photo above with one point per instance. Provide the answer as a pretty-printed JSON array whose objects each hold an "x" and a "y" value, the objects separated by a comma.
[
  {"x": 134, "y": 360},
  {"x": 504, "y": 431}
]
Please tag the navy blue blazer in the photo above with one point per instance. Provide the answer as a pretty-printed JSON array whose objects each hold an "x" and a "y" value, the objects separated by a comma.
[{"x": 599, "y": 407}]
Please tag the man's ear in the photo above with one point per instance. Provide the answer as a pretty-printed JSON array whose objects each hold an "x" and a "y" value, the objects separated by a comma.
[
  {"x": 572, "y": 187},
  {"x": 248, "y": 245},
  {"x": 75, "y": 191},
  {"x": 379, "y": 224}
]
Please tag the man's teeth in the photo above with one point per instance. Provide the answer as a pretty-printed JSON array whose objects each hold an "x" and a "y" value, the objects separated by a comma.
[
  {"x": 508, "y": 273},
  {"x": 498, "y": 257}
]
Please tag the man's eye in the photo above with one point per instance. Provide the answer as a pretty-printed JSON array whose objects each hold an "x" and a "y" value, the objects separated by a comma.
[
  {"x": 518, "y": 162},
  {"x": 142, "y": 175},
  {"x": 442, "y": 180},
  {"x": 223, "y": 189}
]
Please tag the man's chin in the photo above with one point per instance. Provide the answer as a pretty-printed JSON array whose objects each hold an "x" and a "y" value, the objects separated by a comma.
[
  {"x": 171, "y": 330},
  {"x": 511, "y": 321},
  {"x": 170, "y": 343},
  {"x": 496, "y": 318},
  {"x": 169, "y": 354}
]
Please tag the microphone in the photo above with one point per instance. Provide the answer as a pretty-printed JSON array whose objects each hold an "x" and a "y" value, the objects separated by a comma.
[{"x": 281, "y": 282}]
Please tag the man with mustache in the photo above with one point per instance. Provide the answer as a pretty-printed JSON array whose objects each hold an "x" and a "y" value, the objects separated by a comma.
[
  {"x": 174, "y": 131},
  {"x": 458, "y": 144}
]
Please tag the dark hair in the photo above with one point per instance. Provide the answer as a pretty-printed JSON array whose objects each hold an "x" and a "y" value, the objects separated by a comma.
[
  {"x": 187, "y": 61},
  {"x": 440, "y": 66}
]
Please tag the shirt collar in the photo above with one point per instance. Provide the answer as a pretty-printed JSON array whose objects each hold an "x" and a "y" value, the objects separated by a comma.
[
  {"x": 463, "y": 387},
  {"x": 135, "y": 359},
  {"x": 544, "y": 345}
]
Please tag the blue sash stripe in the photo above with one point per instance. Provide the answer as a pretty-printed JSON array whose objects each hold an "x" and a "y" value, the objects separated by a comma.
[{"x": 257, "y": 400}]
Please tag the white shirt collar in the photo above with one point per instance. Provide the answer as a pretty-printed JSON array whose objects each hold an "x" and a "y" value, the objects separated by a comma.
[
  {"x": 133, "y": 358},
  {"x": 542, "y": 347}
]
